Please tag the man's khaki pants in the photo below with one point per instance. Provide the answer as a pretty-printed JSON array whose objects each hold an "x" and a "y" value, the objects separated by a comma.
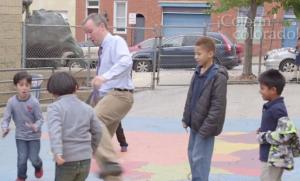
[
  {"x": 111, "y": 109},
  {"x": 270, "y": 173}
]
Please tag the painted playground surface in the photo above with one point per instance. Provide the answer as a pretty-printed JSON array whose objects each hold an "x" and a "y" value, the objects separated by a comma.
[{"x": 157, "y": 152}]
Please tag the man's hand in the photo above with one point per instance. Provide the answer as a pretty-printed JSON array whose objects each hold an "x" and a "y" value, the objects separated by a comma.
[
  {"x": 5, "y": 131},
  {"x": 59, "y": 160},
  {"x": 32, "y": 126},
  {"x": 98, "y": 81}
]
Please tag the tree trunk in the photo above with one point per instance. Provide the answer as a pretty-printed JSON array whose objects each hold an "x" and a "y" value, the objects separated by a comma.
[{"x": 247, "y": 68}]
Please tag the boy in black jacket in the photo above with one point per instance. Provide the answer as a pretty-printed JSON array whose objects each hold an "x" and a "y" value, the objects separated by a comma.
[{"x": 205, "y": 108}]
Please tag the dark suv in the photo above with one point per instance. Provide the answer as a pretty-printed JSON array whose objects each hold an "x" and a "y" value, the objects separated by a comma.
[{"x": 178, "y": 52}]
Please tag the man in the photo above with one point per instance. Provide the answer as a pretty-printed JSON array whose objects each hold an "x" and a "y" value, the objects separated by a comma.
[{"x": 114, "y": 87}]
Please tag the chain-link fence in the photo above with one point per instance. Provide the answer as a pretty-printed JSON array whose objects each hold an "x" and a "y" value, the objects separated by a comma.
[
  {"x": 66, "y": 47},
  {"x": 164, "y": 55}
]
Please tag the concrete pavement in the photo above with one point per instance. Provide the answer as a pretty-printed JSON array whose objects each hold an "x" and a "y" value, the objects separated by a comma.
[{"x": 158, "y": 144}]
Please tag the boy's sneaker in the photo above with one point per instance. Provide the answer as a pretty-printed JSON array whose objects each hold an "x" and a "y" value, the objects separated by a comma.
[
  {"x": 20, "y": 179},
  {"x": 123, "y": 148},
  {"x": 39, "y": 173}
]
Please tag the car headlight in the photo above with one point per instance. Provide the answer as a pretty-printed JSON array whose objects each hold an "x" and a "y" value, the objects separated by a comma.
[
  {"x": 132, "y": 54},
  {"x": 271, "y": 56}
]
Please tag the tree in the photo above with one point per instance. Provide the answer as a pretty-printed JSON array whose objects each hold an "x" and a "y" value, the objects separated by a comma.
[{"x": 226, "y": 5}]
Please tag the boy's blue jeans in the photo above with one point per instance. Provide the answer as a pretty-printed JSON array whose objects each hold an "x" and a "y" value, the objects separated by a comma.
[
  {"x": 200, "y": 152},
  {"x": 28, "y": 150}
]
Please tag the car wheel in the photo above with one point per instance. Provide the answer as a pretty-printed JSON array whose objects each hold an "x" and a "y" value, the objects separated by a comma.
[
  {"x": 287, "y": 65},
  {"x": 77, "y": 64},
  {"x": 143, "y": 66}
]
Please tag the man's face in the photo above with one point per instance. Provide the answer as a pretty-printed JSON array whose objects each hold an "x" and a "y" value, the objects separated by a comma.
[
  {"x": 94, "y": 33},
  {"x": 298, "y": 43},
  {"x": 202, "y": 56}
]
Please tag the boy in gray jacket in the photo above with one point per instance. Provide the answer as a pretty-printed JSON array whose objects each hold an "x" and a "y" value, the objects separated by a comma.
[
  {"x": 205, "y": 107},
  {"x": 25, "y": 111},
  {"x": 74, "y": 129}
]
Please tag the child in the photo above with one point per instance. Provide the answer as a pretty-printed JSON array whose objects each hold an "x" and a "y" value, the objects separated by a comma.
[
  {"x": 74, "y": 129},
  {"x": 205, "y": 107},
  {"x": 271, "y": 86},
  {"x": 27, "y": 116}
]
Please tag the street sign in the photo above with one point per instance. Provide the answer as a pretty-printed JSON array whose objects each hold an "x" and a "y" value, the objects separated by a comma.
[{"x": 132, "y": 18}]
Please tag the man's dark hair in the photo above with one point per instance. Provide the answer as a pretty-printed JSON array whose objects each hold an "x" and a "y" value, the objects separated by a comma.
[
  {"x": 272, "y": 78},
  {"x": 62, "y": 83},
  {"x": 20, "y": 76}
]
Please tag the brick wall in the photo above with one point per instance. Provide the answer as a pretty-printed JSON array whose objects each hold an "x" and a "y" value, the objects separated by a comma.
[
  {"x": 10, "y": 34},
  {"x": 223, "y": 22},
  {"x": 149, "y": 9},
  {"x": 80, "y": 15}
]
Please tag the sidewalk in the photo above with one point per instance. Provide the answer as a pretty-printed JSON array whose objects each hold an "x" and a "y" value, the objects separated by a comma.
[{"x": 158, "y": 144}]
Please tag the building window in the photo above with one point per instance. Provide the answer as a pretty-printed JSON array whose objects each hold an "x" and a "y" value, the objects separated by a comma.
[
  {"x": 120, "y": 17},
  {"x": 93, "y": 3},
  {"x": 241, "y": 29},
  {"x": 92, "y": 6}
]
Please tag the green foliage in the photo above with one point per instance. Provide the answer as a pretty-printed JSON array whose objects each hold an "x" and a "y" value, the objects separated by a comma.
[{"x": 229, "y": 4}]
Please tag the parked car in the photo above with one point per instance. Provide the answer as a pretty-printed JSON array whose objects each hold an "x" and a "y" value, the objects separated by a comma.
[
  {"x": 178, "y": 52},
  {"x": 239, "y": 52},
  {"x": 149, "y": 43},
  {"x": 282, "y": 59},
  {"x": 90, "y": 52},
  {"x": 49, "y": 41}
]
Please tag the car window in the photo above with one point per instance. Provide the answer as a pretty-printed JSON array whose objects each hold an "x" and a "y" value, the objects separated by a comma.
[
  {"x": 174, "y": 42},
  {"x": 147, "y": 43},
  {"x": 191, "y": 40}
]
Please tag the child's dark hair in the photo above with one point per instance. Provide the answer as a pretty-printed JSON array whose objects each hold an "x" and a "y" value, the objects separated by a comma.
[
  {"x": 62, "y": 83},
  {"x": 207, "y": 43},
  {"x": 22, "y": 75},
  {"x": 273, "y": 78}
]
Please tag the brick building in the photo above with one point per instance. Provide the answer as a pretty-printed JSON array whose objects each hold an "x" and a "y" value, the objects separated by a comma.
[
  {"x": 172, "y": 15},
  {"x": 10, "y": 34}
]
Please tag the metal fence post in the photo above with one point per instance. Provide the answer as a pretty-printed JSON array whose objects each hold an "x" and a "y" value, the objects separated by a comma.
[
  {"x": 23, "y": 53},
  {"x": 154, "y": 62},
  {"x": 159, "y": 53},
  {"x": 88, "y": 78}
]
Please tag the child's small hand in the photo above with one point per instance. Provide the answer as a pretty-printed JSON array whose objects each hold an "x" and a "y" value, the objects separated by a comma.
[
  {"x": 5, "y": 131},
  {"x": 59, "y": 160},
  {"x": 32, "y": 126}
]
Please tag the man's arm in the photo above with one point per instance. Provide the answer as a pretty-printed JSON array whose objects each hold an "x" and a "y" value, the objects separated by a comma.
[{"x": 122, "y": 60}]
